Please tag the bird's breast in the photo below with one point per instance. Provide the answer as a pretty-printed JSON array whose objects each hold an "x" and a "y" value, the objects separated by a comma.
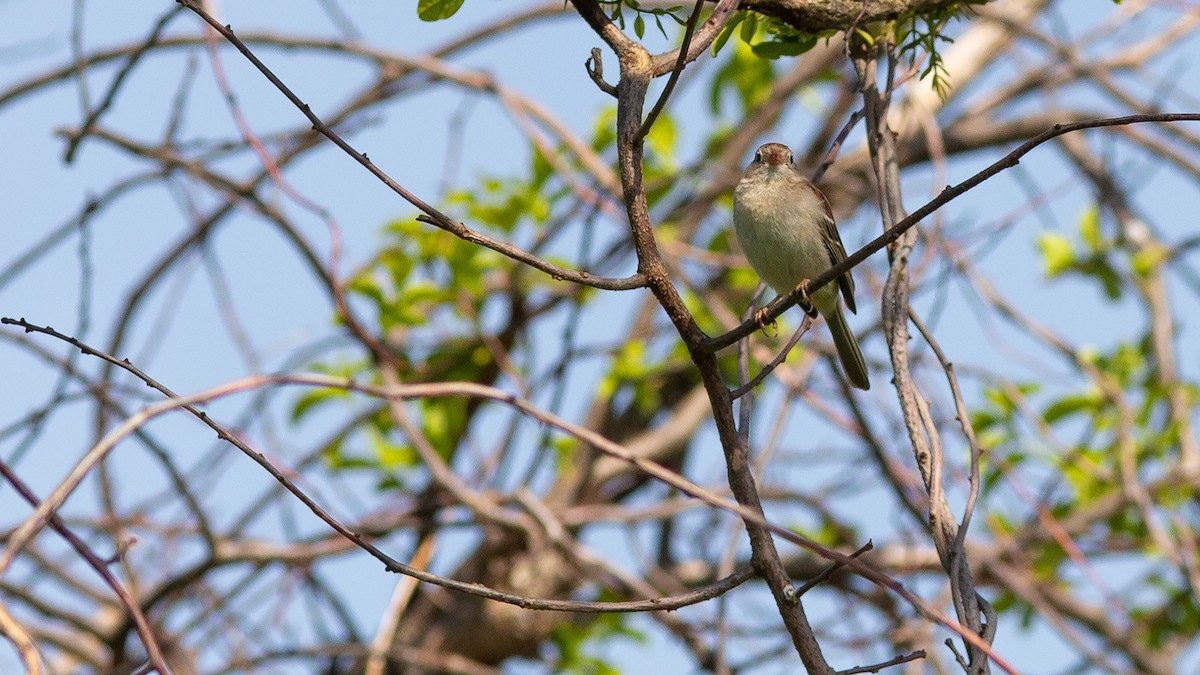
[{"x": 778, "y": 225}]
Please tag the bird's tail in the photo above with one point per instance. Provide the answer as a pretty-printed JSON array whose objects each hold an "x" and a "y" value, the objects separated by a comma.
[{"x": 847, "y": 349}]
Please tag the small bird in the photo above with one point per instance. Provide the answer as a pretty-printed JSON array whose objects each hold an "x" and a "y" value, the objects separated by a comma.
[{"x": 788, "y": 234}]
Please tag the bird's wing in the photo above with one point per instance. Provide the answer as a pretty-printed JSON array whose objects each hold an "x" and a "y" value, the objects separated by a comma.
[{"x": 837, "y": 252}]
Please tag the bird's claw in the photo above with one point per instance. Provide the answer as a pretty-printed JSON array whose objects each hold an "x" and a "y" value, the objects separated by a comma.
[
  {"x": 805, "y": 300},
  {"x": 760, "y": 318}
]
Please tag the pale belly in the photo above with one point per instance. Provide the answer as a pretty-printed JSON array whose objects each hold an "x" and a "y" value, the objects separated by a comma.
[{"x": 783, "y": 246}]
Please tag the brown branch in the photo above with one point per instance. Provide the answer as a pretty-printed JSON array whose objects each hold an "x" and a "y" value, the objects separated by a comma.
[
  {"x": 829, "y": 570},
  {"x": 722, "y": 12},
  {"x": 110, "y": 97},
  {"x": 675, "y": 72},
  {"x": 441, "y": 390},
  {"x": 431, "y": 215},
  {"x": 14, "y": 632},
  {"x": 153, "y": 652},
  {"x": 636, "y": 74},
  {"x": 816, "y": 16},
  {"x": 903, "y": 658}
]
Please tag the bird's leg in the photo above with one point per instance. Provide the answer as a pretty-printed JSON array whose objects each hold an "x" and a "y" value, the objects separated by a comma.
[
  {"x": 760, "y": 319},
  {"x": 805, "y": 300}
]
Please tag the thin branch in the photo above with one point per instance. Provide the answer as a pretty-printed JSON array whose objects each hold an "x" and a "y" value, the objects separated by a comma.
[
  {"x": 111, "y": 96},
  {"x": 903, "y": 658},
  {"x": 153, "y": 653},
  {"x": 24, "y": 533},
  {"x": 675, "y": 72},
  {"x": 431, "y": 215},
  {"x": 828, "y": 571}
]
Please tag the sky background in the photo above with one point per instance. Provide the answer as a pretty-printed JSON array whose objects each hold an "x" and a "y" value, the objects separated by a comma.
[{"x": 182, "y": 342}]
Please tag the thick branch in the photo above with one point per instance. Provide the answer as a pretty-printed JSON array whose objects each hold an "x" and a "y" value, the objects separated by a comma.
[{"x": 815, "y": 16}]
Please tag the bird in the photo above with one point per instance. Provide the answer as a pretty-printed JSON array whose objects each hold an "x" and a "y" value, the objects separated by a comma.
[{"x": 787, "y": 232}]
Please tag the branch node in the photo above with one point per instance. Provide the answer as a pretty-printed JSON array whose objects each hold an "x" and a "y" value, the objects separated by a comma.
[{"x": 595, "y": 70}]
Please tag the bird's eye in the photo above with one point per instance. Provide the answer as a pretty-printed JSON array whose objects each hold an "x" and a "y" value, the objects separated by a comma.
[{"x": 758, "y": 156}]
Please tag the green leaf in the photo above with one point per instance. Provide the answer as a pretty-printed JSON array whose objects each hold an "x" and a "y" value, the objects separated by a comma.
[
  {"x": 315, "y": 397},
  {"x": 1001, "y": 400},
  {"x": 575, "y": 641},
  {"x": 1056, "y": 253},
  {"x": 391, "y": 456},
  {"x": 604, "y": 133},
  {"x": 746, "y": 74},
  {"x": 639, "y": 26},
  {"x": 749, "y": 28},
  {"x": 436, "y": 10},
  {"x": 792, "y": 46},
  {"x": 727, "y": 32},
  {"x": 1110, "y": 281},
  {"x": 1069, "y": 405},
  {"x": 1089, "y": 229},
  {"x": 443, "y": 421}
]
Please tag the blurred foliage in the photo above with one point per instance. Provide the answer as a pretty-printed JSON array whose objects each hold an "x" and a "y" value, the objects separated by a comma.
[
  {"x": 577, "y": 642},
  {"x": 1094, "y": 260},
  {"x": 767, "y": 37},
  {"x": 1117, "y": 418}
]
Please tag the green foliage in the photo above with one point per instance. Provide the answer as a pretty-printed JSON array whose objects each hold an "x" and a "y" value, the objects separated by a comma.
[
  {"x": 918, "y": 34},
  {"x": 1095, "y": 260},
  {"x": 316, "y": 397},
  {"x": 660, "y": 145},
  {"x": 777, "y": 39},
  {"x": 996, "y": 424},
  {"x": 1118, "y": 417},
  {"x": 575, "y": 640},
  {"x": 502, "y": 204},
  {"x": 426, "y": 272},
  {"x": 372, "y": 450},
  {"x": 604, "y": 132},
  {"x": 633, "y": 369},
  {"x": 443, "y": 420},
  {"x": 746, "y": 75},
  {"x": 767, "y": 37},
  {"x": 1173, "y": 618},
  {"x": 428, "y": 289},
  {"x": 387, "y": 454},
  {"x": 1149, "y": 259},
  {"x": 1099, "y": 258},
  {"x": 436, "y": 10},
  {"x": 661, "y": 167},
  {"x": 1125, "y": 362},
  {"x": 677, "y": 13},
  {"x": 423, "y": 272},
  {"x": 1056, "y": 253}
]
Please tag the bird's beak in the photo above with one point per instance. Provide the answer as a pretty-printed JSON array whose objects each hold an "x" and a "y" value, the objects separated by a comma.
[{"x": 775, "y": 159}]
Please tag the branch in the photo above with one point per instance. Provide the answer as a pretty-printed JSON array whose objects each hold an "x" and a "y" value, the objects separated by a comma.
[
  {"x": 153, "y": 653},
  {"x": 815, "y": 16},
  {"x": 675, "y": 72},
  {"x": 721, "y": 14},
  {"x": 431, "y": 215},
  {"x": 22, "y": 535}
]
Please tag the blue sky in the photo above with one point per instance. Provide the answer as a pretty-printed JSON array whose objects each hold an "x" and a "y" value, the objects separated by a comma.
[{"x": 181, "y": 340}]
